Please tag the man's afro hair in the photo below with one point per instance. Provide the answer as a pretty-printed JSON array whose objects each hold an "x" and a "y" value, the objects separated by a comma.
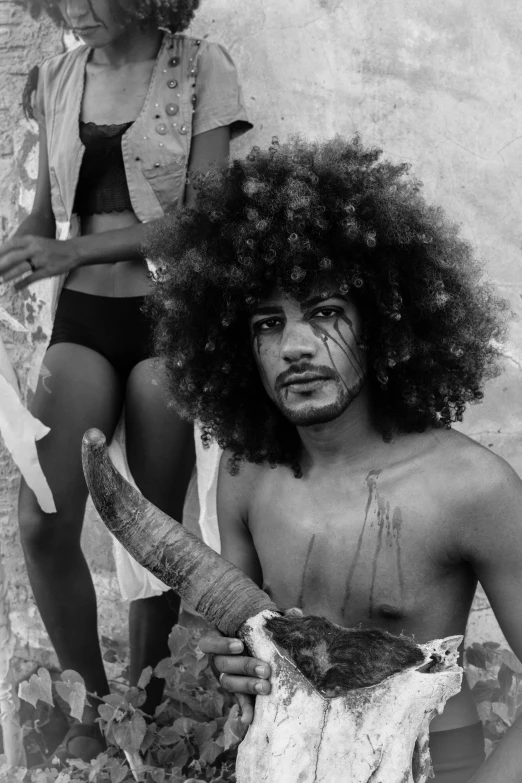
[{"x": 301, "y": 216}]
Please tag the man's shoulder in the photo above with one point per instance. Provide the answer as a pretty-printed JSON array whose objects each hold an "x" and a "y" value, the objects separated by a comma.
[
  {"x": 474, "y": 481},
  {"x": 240, "y": 480}
]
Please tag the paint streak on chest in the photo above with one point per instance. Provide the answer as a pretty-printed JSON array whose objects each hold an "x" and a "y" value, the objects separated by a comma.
[{"x": 385, "y": 525}]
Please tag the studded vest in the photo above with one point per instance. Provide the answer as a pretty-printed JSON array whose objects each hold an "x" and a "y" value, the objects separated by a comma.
[{"x": 156, "y": 147}]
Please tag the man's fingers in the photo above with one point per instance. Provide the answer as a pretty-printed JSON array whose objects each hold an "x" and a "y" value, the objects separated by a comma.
[
  {"x": 214, "y": 644},
  {"x": 246, "y": 707},
  {"x": 237, "y": 684},
  {"x": 242, "y": 665}
]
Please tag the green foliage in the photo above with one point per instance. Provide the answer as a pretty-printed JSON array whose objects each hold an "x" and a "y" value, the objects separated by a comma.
[
  {"x": 494, "y": 675},
  {"x": 195, "y": 732},
  {"x": 193, "y": 736}
]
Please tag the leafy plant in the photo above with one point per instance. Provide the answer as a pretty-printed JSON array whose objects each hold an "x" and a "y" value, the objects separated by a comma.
[
  {"x": 494, "y": 675},
  {"x": 193, "y": 735},
  {"x": 195, "y": 732}
]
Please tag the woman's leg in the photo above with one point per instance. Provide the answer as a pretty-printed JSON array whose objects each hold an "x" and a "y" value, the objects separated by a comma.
[
  {"x": 161, "y": 455},
  {"x": 81, "y": 391}
]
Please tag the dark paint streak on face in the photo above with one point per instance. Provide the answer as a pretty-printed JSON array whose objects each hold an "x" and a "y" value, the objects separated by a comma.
[
  {"x": 342, "y": 343},
  {"x": 303, "y": 578},
  {"x": 371, "y": 482}
]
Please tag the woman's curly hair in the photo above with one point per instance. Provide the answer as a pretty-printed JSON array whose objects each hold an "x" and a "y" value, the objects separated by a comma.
[
  {"x": 173, "y": 15},
  {"x": 299, "y": 216}
]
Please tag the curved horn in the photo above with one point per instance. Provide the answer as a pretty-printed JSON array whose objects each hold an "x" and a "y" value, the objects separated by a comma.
[{"x": 215, "y": 588}]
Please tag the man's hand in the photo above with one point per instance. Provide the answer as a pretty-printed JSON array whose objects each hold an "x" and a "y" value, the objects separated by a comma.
[
  {"x": 239, "y": 674},
  {"x": 28, "y": 258}
]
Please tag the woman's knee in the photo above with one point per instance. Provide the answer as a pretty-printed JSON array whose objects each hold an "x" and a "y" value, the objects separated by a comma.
[{"x": 44, "y": 535}]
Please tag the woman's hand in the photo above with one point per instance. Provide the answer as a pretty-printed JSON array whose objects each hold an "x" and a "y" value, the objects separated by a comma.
[
  {"x": 28, "y": 258},
  {"x": 239, "y": 674}
]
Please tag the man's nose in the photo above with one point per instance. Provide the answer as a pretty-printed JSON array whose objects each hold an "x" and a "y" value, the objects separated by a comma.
[{"x": 299, "y": 342}]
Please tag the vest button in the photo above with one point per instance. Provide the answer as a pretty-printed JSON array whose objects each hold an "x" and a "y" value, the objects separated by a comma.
[
  {"x": 172, "y": 109},
  {"x": 172, "y": 83},
  {"x": 183, "y": 130},
  {"x": 192, "y": 71},
  {"x": 161, "y": 128},
  {"x": 173, "y": 62}
]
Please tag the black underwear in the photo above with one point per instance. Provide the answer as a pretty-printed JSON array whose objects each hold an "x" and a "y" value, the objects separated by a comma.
[
  {"x": 115, "y": 327},
  {"x": 457, "y": 754}
]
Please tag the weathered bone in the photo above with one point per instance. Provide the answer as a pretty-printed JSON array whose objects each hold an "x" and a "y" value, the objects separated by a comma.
[{"x": 377, "y": 734}]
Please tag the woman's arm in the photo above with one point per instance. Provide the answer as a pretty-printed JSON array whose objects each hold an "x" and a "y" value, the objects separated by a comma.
[{"x": 31, "y": 246}]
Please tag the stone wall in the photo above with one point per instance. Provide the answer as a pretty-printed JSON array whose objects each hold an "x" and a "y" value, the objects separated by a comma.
[{"x": 436, "y": 85}]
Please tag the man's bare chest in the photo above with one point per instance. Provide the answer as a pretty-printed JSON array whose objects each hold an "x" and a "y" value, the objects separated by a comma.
[{"x": 377, "y": 554}]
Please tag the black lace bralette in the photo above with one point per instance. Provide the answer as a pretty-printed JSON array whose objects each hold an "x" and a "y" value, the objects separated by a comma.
[{"x": 102, "y": 183}]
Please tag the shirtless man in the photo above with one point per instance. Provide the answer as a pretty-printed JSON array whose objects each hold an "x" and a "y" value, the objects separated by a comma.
[{"x": 327, "y": 327}]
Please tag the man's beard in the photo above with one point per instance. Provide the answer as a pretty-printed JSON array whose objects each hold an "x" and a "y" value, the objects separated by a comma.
[{"x": 321, "y": 414}]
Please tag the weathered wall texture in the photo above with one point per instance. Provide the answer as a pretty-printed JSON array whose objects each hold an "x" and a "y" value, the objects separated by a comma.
[{"x": 437, "y": 85}]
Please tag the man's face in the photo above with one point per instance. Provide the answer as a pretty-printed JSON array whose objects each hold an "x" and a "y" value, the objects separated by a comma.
[{"x": 307, "y": 354}]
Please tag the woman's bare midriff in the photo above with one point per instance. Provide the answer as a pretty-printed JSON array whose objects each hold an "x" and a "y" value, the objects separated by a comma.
[{"x": 121, "y": 279}]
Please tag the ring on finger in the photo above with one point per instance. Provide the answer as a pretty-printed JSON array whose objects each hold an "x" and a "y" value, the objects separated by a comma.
[
  {"x": 220, "y": 678},
  {"x": 31, "y": 264}
]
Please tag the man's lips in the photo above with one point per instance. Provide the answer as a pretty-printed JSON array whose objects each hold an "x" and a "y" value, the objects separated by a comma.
[{"x": 305, "y": 382}]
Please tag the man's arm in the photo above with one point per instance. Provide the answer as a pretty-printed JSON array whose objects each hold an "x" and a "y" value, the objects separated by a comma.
[
  {"x": 491, "y": 541},
  {"x": 242, "y": 675}
]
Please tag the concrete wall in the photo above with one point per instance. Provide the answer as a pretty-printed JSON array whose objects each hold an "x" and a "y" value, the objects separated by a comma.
[{"x": 435, "y": 84}]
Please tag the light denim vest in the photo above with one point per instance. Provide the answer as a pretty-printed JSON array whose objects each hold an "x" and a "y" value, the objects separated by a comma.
[{"x": 155, "y": 148}]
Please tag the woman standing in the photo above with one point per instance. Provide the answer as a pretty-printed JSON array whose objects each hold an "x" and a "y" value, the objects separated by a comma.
[{"x": 123, "y": 119}]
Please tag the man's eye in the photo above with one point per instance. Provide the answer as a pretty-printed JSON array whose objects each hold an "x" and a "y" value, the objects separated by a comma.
[
  {"x": 326, "y": 312},
  {"x": 268, "y": 323}
]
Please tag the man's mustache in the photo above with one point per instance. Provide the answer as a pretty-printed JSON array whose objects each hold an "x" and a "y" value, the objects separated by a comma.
[{"x": 296, "y": 370}]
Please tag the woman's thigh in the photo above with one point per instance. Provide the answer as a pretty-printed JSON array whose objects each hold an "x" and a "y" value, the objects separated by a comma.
[
  {"x": 160, "y": 445},
  {"x": 78, "y": 389}
]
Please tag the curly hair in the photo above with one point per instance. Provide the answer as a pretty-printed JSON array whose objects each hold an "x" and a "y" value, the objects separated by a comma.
[
  {"x": 299, "y": 216},
  {"x": 172, "y": 15}
]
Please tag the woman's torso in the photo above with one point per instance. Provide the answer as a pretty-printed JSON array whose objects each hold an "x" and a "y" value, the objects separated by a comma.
[{"x": 112, "y": 97}]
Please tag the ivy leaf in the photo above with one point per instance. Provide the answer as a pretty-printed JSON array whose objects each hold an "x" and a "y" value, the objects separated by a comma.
[
  {"x": 180, "y": 755},
  {"x": 119, "y": 772},
  {"x": 38, "y": 687},
  {"x": 184, "y": 726},
  {"x": 168, "y": 736},
  {"x": 209, "y": 752},
  {"x": 157, "y": 775},
  {"x": 491, "y": 645},
  {"x": 138, "y": 730},
  {"x": 505, "y": 679},
  {"x": 130, "y": 733},
  {"x": 178, "y": 641},
  {"x": 73, "y": 692},
  {"x": 117, "y": 701},
  {"x": 203, "y": 732},
  {"x": 486, "y": 690},
  {"x": 511, "y": 661},
  {"x": 476, "y": 656},
  {"x": 233, "y": 730},
  {"x": 106, "y": 711},
  {"x": 136, "y": 697},
  {"x": 145, "y": 677},
  {"x": 164, "y": 668}
]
